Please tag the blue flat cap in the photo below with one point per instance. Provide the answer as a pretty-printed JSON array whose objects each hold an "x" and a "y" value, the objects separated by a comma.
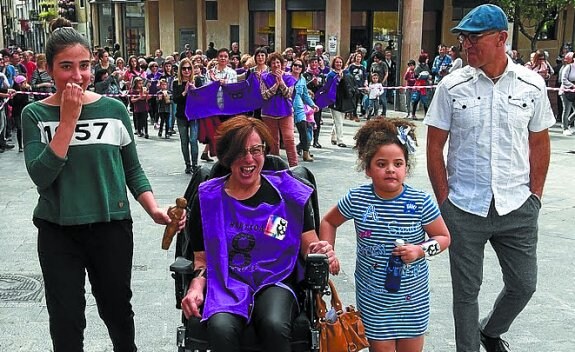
[{"x": 481, "y": 19}]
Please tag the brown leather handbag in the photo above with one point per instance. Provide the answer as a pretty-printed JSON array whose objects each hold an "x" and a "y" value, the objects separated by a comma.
[{"x": 346, "y": 333}]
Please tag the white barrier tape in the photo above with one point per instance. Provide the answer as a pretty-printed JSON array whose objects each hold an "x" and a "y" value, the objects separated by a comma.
[{"x": 121, "y": 95}]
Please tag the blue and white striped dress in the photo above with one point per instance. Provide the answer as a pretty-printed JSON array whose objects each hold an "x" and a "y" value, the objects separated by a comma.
[{"x": 378, "y": 223}]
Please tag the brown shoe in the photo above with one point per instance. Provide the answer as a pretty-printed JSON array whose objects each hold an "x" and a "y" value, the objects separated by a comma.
[{"x": 307, "y": 156}]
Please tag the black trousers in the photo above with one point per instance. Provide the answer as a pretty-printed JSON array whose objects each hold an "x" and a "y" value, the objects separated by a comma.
[
  {"x": 274, "y": 310},
  {"x": 317, "y": 119},
  {"x": 302, "y": 132},
  {"x": 105, "y": 251}
]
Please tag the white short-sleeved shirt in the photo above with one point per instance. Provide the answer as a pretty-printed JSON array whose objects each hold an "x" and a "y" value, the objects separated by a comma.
[{"x": 489, "y": 126}]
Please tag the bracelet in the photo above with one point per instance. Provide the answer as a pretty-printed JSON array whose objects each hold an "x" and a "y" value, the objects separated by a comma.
[
  {"x": 430, "y": 248},
  {"x": 200, "y": 273}
]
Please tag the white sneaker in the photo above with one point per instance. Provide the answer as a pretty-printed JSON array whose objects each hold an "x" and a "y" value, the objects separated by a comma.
[{"x": 567, "y": 132}]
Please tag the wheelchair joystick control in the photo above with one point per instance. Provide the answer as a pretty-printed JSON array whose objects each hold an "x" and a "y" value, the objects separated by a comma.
[
  {"x": 317, "y": 271},
  {"x": 175, "y": 213}
]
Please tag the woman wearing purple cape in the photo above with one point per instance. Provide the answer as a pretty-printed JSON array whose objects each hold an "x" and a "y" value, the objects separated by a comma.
[
  {"x": 277, "y": 111},
  {"x": 247, "y": 230}
]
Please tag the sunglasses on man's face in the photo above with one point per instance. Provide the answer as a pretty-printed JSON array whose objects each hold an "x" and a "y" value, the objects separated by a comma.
[{"x": 297, "y": 65}]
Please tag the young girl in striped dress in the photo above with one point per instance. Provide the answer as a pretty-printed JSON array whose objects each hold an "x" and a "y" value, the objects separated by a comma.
[{"x": 385, "y": 210}]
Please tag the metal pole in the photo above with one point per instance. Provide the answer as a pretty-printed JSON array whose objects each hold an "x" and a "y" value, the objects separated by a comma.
[{"x": 397, "y": 98}]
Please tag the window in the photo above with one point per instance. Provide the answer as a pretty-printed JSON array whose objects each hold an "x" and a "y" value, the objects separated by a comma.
[{"x": 211, "y": 10}]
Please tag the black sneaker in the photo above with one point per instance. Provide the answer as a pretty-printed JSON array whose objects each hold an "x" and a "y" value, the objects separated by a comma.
[{"x": 494, "y": 344}]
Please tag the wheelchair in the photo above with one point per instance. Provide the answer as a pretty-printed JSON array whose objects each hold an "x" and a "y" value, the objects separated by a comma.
[{"x": 192, "y": 334}]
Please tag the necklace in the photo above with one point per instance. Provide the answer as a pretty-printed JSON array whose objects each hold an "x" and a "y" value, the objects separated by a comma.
[{"x": 496, "y": 78}]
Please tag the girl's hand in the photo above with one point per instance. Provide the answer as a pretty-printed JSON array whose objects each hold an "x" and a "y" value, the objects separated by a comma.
[
  {"x": 71, "y": 103},
  {"x": 409, "y": 253}
]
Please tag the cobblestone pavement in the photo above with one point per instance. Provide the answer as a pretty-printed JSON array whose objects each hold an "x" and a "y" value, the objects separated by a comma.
[{"x": 546, "y": 324}]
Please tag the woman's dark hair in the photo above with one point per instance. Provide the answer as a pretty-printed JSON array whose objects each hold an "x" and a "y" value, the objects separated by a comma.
[
  {"x": 63, "y": 36},
  {"x": 261, "y": 50},
  {"x": 129, "y": 63},
  {"x": 275, "y": 56},
  {"x": 455, "y": 49},
  {"x": 335, "y": 58},
  {"x": 379, "y": 132},
  {"x": 99, "y": 74},
  {"x": 302, "y": 63},
  {"x": 423, "y": 58},
  {"x": 231, "y": 137}
]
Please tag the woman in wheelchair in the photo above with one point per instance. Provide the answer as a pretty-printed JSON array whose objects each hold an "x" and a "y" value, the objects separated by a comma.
[{"x": 246, "y": 231}]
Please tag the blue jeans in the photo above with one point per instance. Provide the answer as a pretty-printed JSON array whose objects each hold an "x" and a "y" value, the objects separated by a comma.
[
  {"x": 189, "y": 140},
  {"x": 514, "y": 239}
]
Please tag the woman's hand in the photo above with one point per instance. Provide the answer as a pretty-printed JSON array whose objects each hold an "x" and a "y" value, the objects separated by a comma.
[
  {"x": 193, "y": 300},
  {"x": 323, "y": 247},
  {"x": 71, "y": 103},
  {"x": 409, "y": 253}
]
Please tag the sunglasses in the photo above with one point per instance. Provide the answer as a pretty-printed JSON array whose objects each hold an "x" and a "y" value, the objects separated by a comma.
[
  {"x": 186, "y": 68},
  {"x": 472, "y": 37},
  {"x": 297, "y": 65}
]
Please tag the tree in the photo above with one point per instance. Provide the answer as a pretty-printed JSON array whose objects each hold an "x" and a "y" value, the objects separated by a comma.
[{"x": 533, "y": 17}]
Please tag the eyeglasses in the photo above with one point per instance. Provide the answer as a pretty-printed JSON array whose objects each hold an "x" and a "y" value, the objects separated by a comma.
[
  {"x": 186, "y": 68},
  {"x": 472, "y": 37},
  {"x": 254, "y": 150},
  {"x": 297, "y": 65}
]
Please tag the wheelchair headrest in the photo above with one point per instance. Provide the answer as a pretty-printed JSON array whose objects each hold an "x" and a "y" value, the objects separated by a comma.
[{"x": 272, "y": 162}]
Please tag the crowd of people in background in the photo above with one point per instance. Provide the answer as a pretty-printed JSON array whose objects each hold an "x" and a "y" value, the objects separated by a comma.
[{"x": 151, "y": 87}]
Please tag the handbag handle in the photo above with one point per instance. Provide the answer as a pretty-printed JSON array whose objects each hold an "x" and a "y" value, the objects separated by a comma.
[{"x": 335, "y": 302}]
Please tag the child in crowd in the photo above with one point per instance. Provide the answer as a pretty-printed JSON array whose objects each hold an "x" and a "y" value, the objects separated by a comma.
[
  {"x": 375, "y": 89},
  {"x": 164, "y": 107},
  {"x": 385, "y": 210},
  {"x": 18, "y": 102},
  {"x": 409, "y": 78},
  {"x": 139, "y": 97}
]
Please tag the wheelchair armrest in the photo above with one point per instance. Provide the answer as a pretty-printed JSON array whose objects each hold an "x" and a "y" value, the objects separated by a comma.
[
  {"x": 316, "y": 271},
  {"x": 182, "y": 266}
]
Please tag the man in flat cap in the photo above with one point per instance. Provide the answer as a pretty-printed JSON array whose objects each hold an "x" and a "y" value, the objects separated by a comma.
[{"x": 496, "y": 115}]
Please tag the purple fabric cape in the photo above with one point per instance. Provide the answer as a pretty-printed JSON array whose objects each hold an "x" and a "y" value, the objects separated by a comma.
[
  {"x": 242, "y": 97},
  {"x": 278, "y": 105},
  {"x": 237, "y": 98},
  {"x": 245, "y": 251},
  {"x": 202, "y": 102},
  {"x": 325, "y": 96}
]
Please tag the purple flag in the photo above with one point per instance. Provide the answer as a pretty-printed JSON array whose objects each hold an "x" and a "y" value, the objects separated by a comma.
[
  {"x": 325, "y": 96},
  {"x": 241, "y": 97},
  {"x": 203, "y": 102}
]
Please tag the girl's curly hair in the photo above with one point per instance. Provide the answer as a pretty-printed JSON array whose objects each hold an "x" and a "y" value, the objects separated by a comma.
[{"x": 379, "y": 132}]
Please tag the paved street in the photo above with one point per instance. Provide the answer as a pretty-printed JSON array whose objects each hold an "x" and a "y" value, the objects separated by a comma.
[{"x": 545, "y": 325}]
